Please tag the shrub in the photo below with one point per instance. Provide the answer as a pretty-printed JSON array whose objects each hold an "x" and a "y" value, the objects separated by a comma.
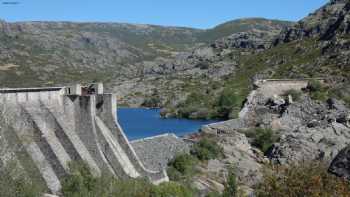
[
  {"x": 231, "y": 185},
  {"x": 262, "y": 138},
  {"x": 314, "y": 86},
  {"x": 207, "y": 149},
  {"x": 305, "y": 179},
  {"x": 317, "y": 90},
  {"x": 81, "y": 183},
  {"x": 18, "y": 186},
  {"x": 295, "y": 94},
  {"x": 172, "y": 189},
  {"x": 181, "y": 167},
  {"x": 229, "y": 103},
  {"x": 213, "y": 194},
  {"x": 202, "y": 65},
  {"x": 152, "y": 102}
]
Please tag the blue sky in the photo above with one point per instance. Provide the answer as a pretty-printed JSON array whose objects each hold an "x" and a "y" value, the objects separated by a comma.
[{"x": 189, "y": 13}]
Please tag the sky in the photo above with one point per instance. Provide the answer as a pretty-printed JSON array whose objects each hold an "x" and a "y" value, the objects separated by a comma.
[{"x": 188, "y": 13}]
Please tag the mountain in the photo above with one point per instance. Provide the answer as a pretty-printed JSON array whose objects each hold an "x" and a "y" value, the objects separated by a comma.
[
  {"x": 241, "y": 25},
  {"x": 54, "y": 53},
  {"x": 316, "y": 46}
]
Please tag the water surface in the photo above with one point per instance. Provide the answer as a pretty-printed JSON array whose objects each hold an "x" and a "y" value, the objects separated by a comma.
[{"x": 140, "y": 123}]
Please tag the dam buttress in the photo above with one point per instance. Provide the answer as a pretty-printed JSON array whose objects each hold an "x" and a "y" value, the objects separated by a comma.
[{"x": 43, "y": 129}]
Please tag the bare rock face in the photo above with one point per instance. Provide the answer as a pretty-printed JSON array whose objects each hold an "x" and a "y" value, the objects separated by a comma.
[
  {"x": 311, "y": 130},
  {"x": 239, "y": 153},
  {"x": 306, "y": 143},
  {"x": 340, "y": 165},
  {"x": 258, "y": 40},
  {"x": 326, "y": 23}
]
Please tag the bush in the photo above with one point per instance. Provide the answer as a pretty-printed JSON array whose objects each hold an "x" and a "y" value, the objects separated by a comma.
[
  {"x": 81, "y": 183},
  {"x": 172, "y": 189},
  {"x": 229, "y": 104},
  {"x": 231, "y": 185},
  {"x": 181, "y": 167},
  {"x": 213, "y": 194},
  {"x": 306, "y": 179},
  {"x": 262, "y": 138},
  {"x": 207, "y": 149},
  {"x": 295, "y": 94},
  {"x": 19, "y": 186},
  {"x": 317, "y": 90},
  {"x": 314, "y": 86},
  {"x": 152, "y": 102}
]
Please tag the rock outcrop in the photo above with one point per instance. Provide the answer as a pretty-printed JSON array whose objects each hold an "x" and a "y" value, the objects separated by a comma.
[
  {"x": 340, "y": 165},
  {"x": 308, "y": 129}
]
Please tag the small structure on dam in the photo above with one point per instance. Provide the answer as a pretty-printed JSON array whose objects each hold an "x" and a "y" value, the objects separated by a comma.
[{"x": 43, "y": 129}]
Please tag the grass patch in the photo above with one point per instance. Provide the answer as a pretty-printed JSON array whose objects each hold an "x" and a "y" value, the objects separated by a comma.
[{"x": 305, "y": 179}]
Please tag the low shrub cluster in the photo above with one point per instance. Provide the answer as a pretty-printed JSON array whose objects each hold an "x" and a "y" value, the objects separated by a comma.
[
  {"x": 317, "y": 90},
  {"x": 182, "y": 167},
  {"x": 152, "y": 102},
  {"x": 80, "y": 183},
  {"x": 295, "y": 94},
  {"x": 18, "y": 186},
  {"x": 262, "y": 138},
  {"x": 229, "y": 104},
  {"x": 231, "y": 189},
  {"x": 207, "y": 149},
  {"x": 305, "y": 179}
]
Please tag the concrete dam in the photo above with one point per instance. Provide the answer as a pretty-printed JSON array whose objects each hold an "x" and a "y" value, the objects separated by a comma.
[{"x": 43, "y": 129}]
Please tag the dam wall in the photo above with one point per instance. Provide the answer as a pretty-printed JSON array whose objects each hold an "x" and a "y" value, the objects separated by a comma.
[
  {"x": 269, "y": 88},
  {"x": 43, "y": 129}
]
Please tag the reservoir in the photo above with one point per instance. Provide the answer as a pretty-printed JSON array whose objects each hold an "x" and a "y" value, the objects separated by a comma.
[{"x": 140, "y": 123}]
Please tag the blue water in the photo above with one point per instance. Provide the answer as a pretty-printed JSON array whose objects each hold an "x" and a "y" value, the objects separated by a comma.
[{"x": 140, "y": 123}]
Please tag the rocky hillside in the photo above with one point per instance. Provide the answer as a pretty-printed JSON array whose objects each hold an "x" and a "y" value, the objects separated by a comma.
[
  {"x": 52, "y": 53},
  {"x": 317, "y": 46}
]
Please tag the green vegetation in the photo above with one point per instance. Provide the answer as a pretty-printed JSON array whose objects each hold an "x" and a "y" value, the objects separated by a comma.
[
  {"x": 305, "y": 179},
  {"x": 289, "y": 60},
  {"x": 80, "y": 183},
  {"x": 182, "y": 167},
  {"x": 231, "y": 189},
  {"x": 17, "y": 187},
  {"x": 317, "y": 90},
  {"x": 229, "y": 104},
  {"x": 15, "y": 184},
  {"x": 152, "y": 102},
  {"x": 207, "y": 149},
  {"x": 236, "y": 26},
  {"x": 295, "y": 94},
  {"x": 262, "y": 138}
]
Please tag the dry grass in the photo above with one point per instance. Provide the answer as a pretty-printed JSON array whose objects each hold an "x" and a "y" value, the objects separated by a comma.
[{"x": 309, "y": 179}]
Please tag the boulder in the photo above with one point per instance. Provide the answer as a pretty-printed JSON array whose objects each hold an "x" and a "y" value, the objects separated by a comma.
[{"x": 340, "y": 165}]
